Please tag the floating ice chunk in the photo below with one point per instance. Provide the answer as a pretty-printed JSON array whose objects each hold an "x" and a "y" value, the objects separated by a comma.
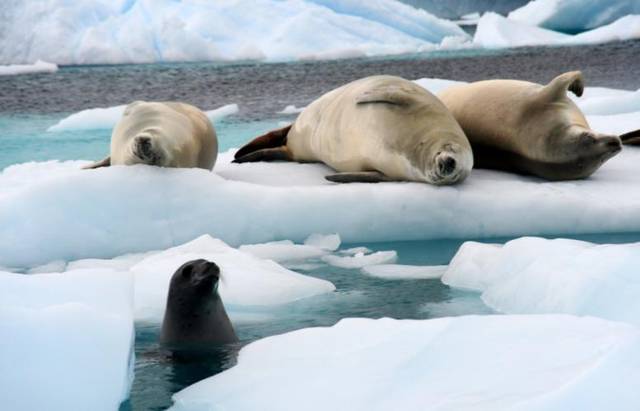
[
  {"x": 38, "y": 67},
  {"x": 148, "y": 31},
  {"x": 405, "y": 272},
  {"x": 495, "y": 31},
  {"x": 465, "y": 363},
  {"x": 535, "y": 275},
  {"x": 573, "y": 16},
  {"x": 360, "y": 260},
  {"x": 67, "y": 340},
  {"x": 355, "y": 250},
  {"x": 106, "y": 118},
  {"x": 329, "y": 242},
  {"x": 291, "y": 109},
  {"x": 284, "y": 250}
]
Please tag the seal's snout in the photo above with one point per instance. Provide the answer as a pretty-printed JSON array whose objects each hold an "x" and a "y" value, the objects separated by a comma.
[
  {"x": 143, "y": 149},
  {"x": 446, "y": 165},
  {"x": 612, "y": 143}
]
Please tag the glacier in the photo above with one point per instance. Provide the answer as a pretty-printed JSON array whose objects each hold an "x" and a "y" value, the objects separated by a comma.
[
  {"x": 573, "y": 16},
  {"x": 543, "y": 362},
  {"x": 67, "y": 340},
  {"x": 536, "y": 275},
  {"x": 496, "y": 31},
  {"x": 102, "y": 214},
  {"x": 147, "y": 31}
]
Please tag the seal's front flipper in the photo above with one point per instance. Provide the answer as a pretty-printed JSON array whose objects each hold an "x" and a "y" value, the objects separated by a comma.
[
  {"x": 273, "y": 139},
  {"x": 632, "y": 138},
  {"x": 102, "y": 163},
  {"x": 266, "y": 154},
  {"x": 358, "y": 177}
]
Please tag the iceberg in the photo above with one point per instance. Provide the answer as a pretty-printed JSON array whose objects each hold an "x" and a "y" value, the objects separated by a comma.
[
  {"x": 360, "y": 260},
  {"x": 107, "y": 118},
  {"x": 496, "y": 31},
  {"x": 550, "y": 362},
  {"x": 536, "y": 275},
  {"x": 573, "y": 16},
  {"x": 102, "y": 214},
  {"x": 37, "y": 67},
  {"x": 67, "y": 340},
  {"x": 405, "y": 272},
  {"x": 146, "y": 31}
]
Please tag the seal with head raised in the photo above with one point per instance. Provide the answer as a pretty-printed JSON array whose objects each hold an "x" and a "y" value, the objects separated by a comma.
[
  {"x": 530, "y": 128},
  {"x": 195, "y": 318},
  {"x": 165, "y": 134},
  {"x": 380, "y": 128}
]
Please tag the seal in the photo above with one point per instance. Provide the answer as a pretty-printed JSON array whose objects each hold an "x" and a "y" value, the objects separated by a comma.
[
  {"x": 529, "y": 128},
  {"x": 380, "y": 128},
  {"x": 165, "y": 134},
  {"x": 195, "y": 318}
]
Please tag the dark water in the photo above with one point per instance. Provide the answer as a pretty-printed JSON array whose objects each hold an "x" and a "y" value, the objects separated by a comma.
[{"x": 263, "y": 89}]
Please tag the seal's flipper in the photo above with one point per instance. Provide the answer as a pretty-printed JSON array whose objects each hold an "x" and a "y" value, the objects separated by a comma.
[
  {"x": 358, "y": 177},
  {"x": 557, "y": 88},
  {"x": 266, "y": 154},
  {"x": 102, "y": 163},
  {"x": 273, "y": 139},
  {"x": 389, "y": 94},
  {"x": 631, "y": 138}
]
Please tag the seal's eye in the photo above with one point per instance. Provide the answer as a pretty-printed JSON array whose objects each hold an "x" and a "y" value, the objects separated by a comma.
[{"x": 187, "y": 271}]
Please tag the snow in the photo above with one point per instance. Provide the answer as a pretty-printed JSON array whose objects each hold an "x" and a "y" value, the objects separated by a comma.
[
  {"x": 550, "y": 362},
  {"x": 496, "y": 31},
  {"x": 573, "y": 16},
  {"x": 67, "y": 340},
  {"x": 145, "y": 31},
  {"x": 37, "y": 67},
  {"x": 405, "y": 272},
  {"x": 536, "y": 275},
  {"x": 360, "y": 260},
  {"x": 101, "y": 214},
  {"x": 106, "y": 118}
]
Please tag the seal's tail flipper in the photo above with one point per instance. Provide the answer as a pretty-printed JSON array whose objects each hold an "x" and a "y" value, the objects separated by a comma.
[
  {"x": 631, "y": 138},
  {"x": 358, "y": 177},
  {"x": 102, "y": 163},
  {"x": 268, "y": 147}
]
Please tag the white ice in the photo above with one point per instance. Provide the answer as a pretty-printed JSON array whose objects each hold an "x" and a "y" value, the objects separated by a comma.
[
  {"x": 102, "y": 214},
  {"x": 145, "y": 31},
  {"x": 360, "y": 260},
  {"x": 67, "y": 340},
  {"x": 496, "y": 31},
  {"x": 546, "y": 362},
  {"x": 405, "y": 272},
  {"x": 574, "y": 16},
  {"x": 291, "y": 109},
  {"x": 37, "y": 67},
  {"x": 536, "y": 275},
  {"x": 106, "y": 118}
]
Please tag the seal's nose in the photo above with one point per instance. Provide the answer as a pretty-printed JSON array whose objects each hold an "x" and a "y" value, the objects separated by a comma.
[
  {"x": 446, "y": 165},
  {"x": 613, "y": 143}
]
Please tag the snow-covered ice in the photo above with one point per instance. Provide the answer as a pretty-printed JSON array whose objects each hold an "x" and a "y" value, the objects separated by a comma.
[
  {"x": 37, "y": 67},
  {"x": 101, "y": 214},
  {"x": 291, "y": 109},
  {"x": 496, "y": 31},
  {"x": 144, "y": 31},
  {"x": 360, "y": 260},
  {"x": 550, "y": 362},
  {"x": 405, "y": 272},
  {"x": 536, "y": 275},
  {"x": 67, "y": 340},
  {"x": 573, "y": 16},
  {"x": 106, "y": 118}
]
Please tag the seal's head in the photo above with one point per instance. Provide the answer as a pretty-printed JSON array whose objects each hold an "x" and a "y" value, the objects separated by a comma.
[
  {"x": 194, "y": 280},
  {"x": 444, "y": 161},
  {"x": 147, "y": 148}
]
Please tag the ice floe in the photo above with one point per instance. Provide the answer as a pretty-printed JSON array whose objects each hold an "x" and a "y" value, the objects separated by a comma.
[
  {"x": 536, "y": 275},
  {"x": 360, "y": 259},
  {"x": 102, "y": 214},
  {"x": 551, "y": 362},
  {"x": 67, "y": 340},
  {"x": 496, "y": 31},
  {"x": 106, "y": 118},
  {"x": 405, "y": 272},
  {"x": 37, "y": 67},
  {"x": 144, "y": 31},
  {"x": 573, "y": 16}
]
